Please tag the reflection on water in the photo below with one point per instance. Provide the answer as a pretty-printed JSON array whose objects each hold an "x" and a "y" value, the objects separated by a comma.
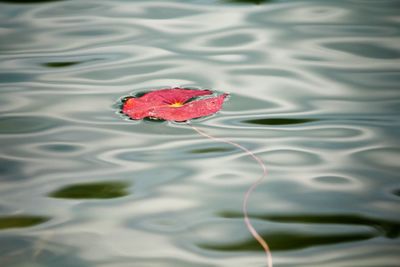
[
  {"x": 92, "y": 190},
  {"x": 20, "y": 251},
  {"x": 20, "y": 221},
  {"x": 26, "y": 1},
  {"x": 286, "y": 240},
  {"x": 210, "y": 150},
  {"x": 390, "y": 229},
  {"x": 314, "y": 93},
  {"x": 277, "y": 121},
  {"x": 60, "y": 64},
  {"x": 248, "y": 1},
  {"x": 25, "y": 124}
]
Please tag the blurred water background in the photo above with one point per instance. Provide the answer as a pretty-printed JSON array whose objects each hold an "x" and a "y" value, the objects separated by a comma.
[{"x": 314, "y": 92}]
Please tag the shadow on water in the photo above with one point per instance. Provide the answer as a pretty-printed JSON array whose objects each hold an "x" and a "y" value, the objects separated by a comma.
[
  {"x": 10, "y": 170},
  {"x": 284, "y": 240},
  {"x": 289, "y": 241},
  {"x": 21, "y": 221},
  {"x": 28, "y": 124},
  {"x": 61, "y": 64},
  {"x": 396, "y": 192},
  {"x": 12, "y": 77},
  {"x": 278, "y": 121},
  {"x": 16, "y": 251},
  {"x": 210, "y": 150},
  {"x": 256, "y": 2},
  {"x": 60, "y": 148},
  {"x": 28, "y": 1},
  {"x": 390, "y": 229},
  {"x": 292, "y": 240},
  {"x": 365, "y": 50},
  {"x": 101, "y": 190}
]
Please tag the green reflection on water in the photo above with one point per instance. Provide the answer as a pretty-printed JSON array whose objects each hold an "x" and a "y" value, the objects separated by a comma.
[
  {"x": 391, "y": 229},
  {"x": 257, "y": 2},
  {"x": 60, "y": 64},
  {"x": 289, "y": 241},
  {"x": 210, "y": 150},
  {"x": 27, "y": 1},
  {"x": 100, "y": 190},
  {"x": 278, "y": 121},
  {"x": 21, "y": 221}
]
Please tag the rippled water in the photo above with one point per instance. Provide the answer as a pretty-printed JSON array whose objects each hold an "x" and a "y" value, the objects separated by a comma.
[{"x": 314, "y": 93}]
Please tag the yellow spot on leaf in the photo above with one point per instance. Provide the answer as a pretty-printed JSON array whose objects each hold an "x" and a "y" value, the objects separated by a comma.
[{"x": 176, "y": 105}]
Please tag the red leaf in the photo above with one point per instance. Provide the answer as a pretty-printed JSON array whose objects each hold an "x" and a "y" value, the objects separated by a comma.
[
  {"x": 170, "y": 96},
  {"x": 173, "y": 104}
]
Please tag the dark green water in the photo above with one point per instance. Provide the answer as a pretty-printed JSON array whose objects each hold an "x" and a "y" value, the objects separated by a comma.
[{"x": 314, "y": 92}]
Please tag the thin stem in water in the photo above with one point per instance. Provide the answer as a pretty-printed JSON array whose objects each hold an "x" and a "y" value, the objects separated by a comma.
[{"x": 247, "y": 221}]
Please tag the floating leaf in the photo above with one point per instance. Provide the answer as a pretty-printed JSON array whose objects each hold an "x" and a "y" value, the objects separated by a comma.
[{"x": 177, "y": 104}]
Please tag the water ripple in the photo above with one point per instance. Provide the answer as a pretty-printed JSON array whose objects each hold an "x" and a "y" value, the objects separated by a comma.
[
  {"x": 314, "y": 89},
  {"x": 26, "y": 124}
]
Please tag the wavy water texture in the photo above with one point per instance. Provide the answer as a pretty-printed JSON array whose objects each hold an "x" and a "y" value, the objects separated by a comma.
[
  {"x": 248, "y": 193},
  {"x": 314, "y": 94}
]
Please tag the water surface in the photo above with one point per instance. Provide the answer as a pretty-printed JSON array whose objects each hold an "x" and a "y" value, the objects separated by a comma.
[{"x": 314, "y": 93}]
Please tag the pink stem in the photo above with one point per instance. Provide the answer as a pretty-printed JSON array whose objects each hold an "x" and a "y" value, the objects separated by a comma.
[{"x": 249, "y": 226}]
